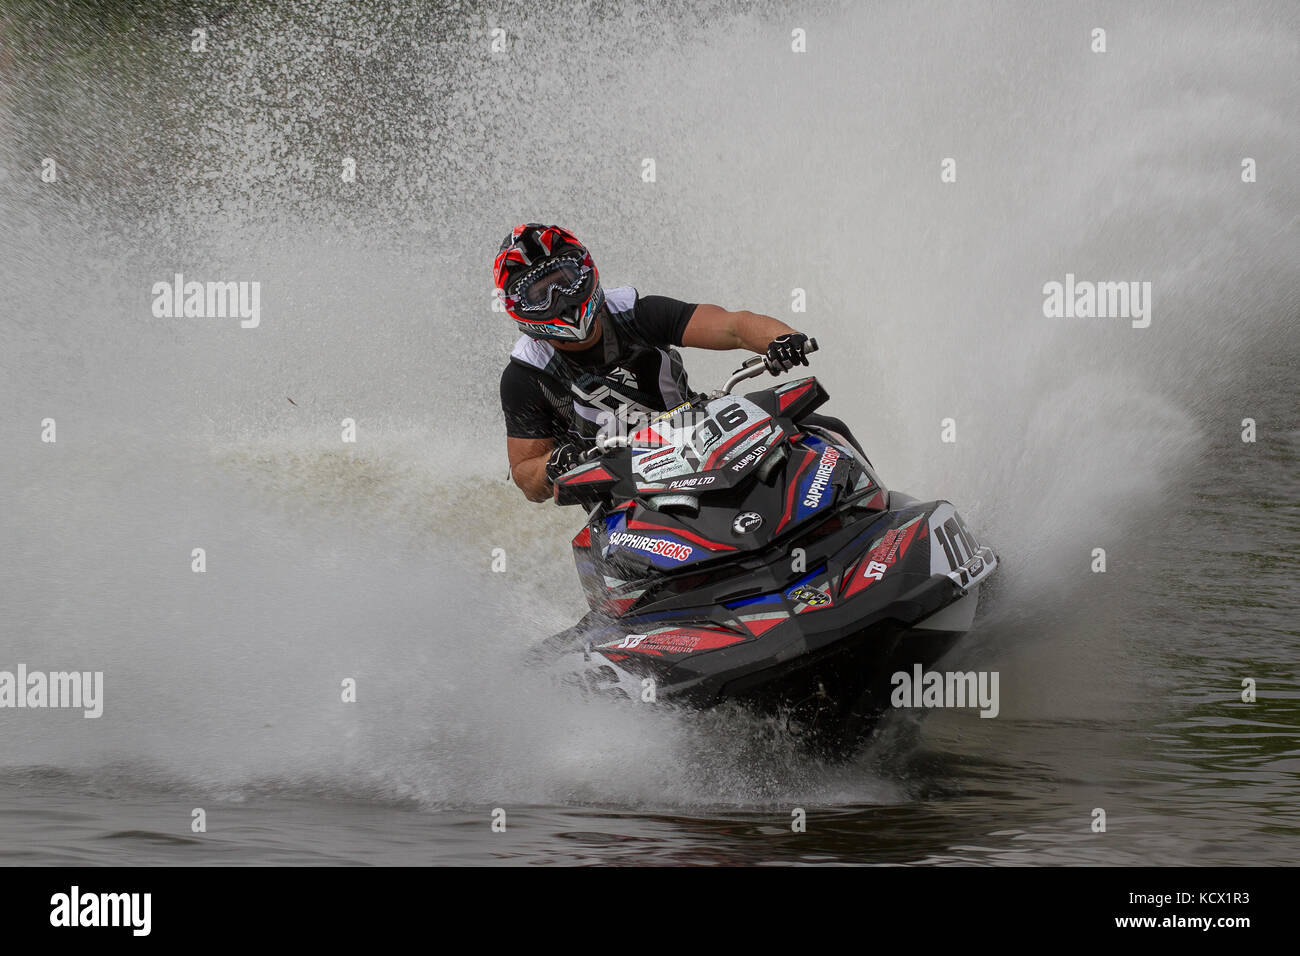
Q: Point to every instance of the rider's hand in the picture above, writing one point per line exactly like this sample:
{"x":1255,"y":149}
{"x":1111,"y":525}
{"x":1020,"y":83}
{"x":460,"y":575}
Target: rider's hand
{"x":786,"y":352}
{"x":564,"y":457}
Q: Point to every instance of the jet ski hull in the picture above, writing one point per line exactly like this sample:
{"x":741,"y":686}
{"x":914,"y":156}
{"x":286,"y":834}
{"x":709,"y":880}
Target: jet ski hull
{"x":737,"y":553}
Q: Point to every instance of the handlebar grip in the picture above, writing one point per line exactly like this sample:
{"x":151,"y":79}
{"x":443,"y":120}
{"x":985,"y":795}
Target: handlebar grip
{"x":812,"y":346}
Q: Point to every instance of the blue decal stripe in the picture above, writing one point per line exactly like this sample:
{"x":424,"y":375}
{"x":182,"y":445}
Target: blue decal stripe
{"x":759,"y":599}
{"x":805,"y":580}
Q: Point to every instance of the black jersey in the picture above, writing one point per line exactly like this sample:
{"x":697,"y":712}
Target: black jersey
{"x":634,"y":372}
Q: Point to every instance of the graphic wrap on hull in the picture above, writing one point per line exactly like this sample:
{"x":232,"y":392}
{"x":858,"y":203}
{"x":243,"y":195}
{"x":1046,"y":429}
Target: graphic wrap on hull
{"x":730,"y":554}
{"x":694,"y":446}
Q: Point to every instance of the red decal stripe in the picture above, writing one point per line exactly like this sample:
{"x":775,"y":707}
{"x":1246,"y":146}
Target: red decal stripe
{"x":647,"y":436}
{"x":809,"y":457}
{"x":762,"y":627}
{"x":792,"y":396}
{"x":618,"y":606}
{"x":596,"y":474}
{"x":730,"y":442}
{"x":638,"y":525}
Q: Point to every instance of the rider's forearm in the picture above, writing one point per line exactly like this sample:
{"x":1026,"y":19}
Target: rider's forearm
{"x":713,"y":327}
{"x":530,"y":476}
{"x":756,"y":331}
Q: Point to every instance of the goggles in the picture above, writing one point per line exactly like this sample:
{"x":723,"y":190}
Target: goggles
{"x":537,"y":290}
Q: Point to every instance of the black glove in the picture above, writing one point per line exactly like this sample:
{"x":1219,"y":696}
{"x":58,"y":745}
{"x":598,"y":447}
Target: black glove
{"x":564,"y":457}
{"x":786,"y":352}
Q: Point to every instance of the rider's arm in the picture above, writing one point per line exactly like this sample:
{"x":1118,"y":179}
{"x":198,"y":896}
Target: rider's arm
{"x":713,"y":327}
{"x":528,"y":457}
{"x":530,"y":423}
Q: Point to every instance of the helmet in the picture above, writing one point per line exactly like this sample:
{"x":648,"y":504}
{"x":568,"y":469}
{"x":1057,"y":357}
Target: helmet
{"x":548,"y":282}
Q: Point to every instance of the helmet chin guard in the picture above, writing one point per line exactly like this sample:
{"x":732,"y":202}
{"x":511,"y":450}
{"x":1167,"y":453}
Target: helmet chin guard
{"x":574,"y":326}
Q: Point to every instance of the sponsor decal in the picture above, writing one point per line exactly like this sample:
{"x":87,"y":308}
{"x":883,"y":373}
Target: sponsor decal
{"x":672,"y":643}
{"x":661,"y":469}
{"x":821,"y":477}
{"x":660,"y":546}
{"x":749,"y":459}
{"x":672,"y":640}
{"x":698,"y":481}
{"x":767,"y":435}
{"x":876,"y":562}
{"x":892,"y":551}
{"x":672,"y":411}
{"x":807,"y":594}
{"x":746,"y":522}
{"x":884,"y":554}
{"x":659,"y":464}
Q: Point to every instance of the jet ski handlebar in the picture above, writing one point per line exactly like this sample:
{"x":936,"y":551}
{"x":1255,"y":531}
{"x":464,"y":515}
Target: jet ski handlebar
{"x":755,"y":366}
{"x":751,"y":368}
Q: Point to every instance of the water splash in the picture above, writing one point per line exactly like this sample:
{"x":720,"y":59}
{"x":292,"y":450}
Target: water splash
{"x":775,"y":171}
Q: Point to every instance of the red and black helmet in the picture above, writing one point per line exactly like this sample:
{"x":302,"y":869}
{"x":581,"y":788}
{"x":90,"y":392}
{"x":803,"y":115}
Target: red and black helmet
{"x":548,"y":282}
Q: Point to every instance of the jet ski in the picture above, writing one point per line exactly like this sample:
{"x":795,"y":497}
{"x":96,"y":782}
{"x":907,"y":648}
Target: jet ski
{"x":737,"y":551}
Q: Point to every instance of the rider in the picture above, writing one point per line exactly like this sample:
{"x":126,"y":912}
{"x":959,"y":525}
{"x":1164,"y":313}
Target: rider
{"x":587,"y":354}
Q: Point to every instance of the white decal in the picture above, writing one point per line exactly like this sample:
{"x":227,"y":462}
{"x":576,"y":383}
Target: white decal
{"x":659,"y":546}
{"x":875,"y":570}
{"x":821,"y":478}
{"x":696,"y":482}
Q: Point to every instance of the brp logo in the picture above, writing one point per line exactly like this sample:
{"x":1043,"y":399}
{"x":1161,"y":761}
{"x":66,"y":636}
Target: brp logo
{"x":746,"y":521}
